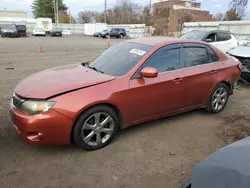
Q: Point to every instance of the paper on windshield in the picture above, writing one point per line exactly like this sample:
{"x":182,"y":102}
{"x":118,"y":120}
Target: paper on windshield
{"x":137,"y":52}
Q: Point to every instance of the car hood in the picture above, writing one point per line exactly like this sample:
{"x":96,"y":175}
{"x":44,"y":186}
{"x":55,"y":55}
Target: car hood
{"x":240,"y":51}
{"x":59,"y":80}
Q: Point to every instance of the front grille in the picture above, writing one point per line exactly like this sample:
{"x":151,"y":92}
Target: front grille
{"x":17,"y":101}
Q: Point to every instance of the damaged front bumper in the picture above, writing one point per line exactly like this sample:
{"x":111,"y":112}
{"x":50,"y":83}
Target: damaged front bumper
{"x":245,"y":72}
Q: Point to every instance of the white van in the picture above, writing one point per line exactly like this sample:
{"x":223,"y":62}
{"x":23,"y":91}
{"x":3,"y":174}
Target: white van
{"x":45,"y":23}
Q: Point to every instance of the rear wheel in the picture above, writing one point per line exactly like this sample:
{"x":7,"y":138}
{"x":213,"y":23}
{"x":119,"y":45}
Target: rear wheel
{"x":96,"y":127}
{"x":121,"y":36}
{"x":218,"y":99}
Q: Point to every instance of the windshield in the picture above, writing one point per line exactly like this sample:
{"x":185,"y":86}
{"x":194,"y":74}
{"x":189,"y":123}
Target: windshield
{"x":12,"y":27}
{"x":119,"y":59}
{"x":195,"y":35}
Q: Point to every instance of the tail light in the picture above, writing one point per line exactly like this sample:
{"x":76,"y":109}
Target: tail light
{"x":239,"y":66}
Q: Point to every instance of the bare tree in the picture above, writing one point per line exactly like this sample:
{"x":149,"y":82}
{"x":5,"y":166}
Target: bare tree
{"x":237,"y":10}
{"x":232,"y":15}
{"x":88,"y":16}
{"x":218,"y":17}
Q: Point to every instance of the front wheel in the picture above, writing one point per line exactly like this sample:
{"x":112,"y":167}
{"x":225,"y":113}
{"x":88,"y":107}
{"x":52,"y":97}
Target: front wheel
{"x":218,"y":99}
{"x":96,"y":127}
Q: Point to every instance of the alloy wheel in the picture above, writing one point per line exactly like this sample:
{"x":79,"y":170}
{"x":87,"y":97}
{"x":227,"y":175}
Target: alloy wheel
{"x":219,"y":98}
{"x":97,"y":129}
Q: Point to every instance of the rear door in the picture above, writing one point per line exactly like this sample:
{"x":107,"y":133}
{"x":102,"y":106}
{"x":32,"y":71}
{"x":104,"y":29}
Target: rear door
{"x":199,"y":75}
{"x":224,"y":41}
{"x":114,"y":32}
{"x":160,"y":95}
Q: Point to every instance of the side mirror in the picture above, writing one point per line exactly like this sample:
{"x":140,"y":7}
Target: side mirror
{"x":208,"y":40}
{"x":149,"y":72}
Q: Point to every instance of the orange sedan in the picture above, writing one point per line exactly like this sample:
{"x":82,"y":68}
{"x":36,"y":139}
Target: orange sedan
{"x":132,"y":82}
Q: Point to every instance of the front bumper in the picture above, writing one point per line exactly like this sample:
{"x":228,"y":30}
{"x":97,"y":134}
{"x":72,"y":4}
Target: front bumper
{"x":10,"y":34}
{"x":51,"y":128}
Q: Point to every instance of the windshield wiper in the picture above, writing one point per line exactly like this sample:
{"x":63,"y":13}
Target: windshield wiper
{"x":93,"y":68}
{"x":97,"y":70}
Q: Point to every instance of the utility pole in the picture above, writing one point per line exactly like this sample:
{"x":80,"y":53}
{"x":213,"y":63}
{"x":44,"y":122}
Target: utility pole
{"x":105,"y":11}
{"x":56,"y":12}
{"x":150,"y":5}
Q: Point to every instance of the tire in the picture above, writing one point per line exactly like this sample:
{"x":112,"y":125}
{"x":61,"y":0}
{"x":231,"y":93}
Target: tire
{"x":3,"y":36}
{"x":85,"y":131}
{"x":221,"y":94}
{"x":121,"y":36}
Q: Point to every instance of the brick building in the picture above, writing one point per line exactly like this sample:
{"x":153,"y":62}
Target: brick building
{"x":175,"y":12}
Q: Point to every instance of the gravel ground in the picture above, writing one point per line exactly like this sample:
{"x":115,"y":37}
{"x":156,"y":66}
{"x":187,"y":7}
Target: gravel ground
{"x":156,"y":154}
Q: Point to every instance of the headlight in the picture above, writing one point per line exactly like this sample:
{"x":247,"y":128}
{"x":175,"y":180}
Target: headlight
{"x":37,"y":107}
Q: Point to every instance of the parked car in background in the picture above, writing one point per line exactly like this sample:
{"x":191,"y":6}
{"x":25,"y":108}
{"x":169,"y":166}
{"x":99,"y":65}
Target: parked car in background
{"x":66,"y":32}
{"x":228,"y":167}
{"x":118,"y":33}
{"x":224,"y":40}
{"x":242,"y":53}
{"x":9,"y":30}
{"x":45,"y":23}
{"x":132,"y":82}
{"x":103,"y":34}
{"x":38,"y":32}
{"x":97,"y":34}
{"x":56,"y":32}
{"x":21,"y":30}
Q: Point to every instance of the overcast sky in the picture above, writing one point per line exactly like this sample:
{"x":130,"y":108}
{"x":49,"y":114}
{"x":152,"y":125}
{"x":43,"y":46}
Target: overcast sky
{"x":214,"y":6}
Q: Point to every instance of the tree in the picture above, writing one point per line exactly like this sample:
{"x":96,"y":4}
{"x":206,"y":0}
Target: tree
{"x":64,"y":17}
{"x":88,"y":16}
{"x":218,"y":17}
{"x":45,"y":8}
{"x":237,"y":10}
{"x":232,"y":15}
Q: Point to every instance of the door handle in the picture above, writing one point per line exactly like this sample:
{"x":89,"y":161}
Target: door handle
{"x":177,"y":80}
{"x":213,"y":71}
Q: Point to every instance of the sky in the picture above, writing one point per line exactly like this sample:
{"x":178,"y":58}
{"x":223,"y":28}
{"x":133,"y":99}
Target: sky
{"x":75,"y":6}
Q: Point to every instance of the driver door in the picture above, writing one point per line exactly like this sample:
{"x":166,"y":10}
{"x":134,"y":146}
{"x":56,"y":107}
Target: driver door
{"x":152,"y":97}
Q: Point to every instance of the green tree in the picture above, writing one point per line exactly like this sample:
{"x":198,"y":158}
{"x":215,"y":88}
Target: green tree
{"x":45,"y":8}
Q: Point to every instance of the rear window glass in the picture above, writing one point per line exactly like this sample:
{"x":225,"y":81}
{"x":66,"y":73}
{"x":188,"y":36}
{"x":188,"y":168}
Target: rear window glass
{"x":223,"y":36}
{"x":9,"y":27}
{"x":196,"y":56}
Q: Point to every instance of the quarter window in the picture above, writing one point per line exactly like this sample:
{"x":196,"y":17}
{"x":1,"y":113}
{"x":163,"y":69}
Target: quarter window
{"x":214,"y":57}
{"x":196,"y":56}
{"x":165,"y":60}
{"x":223,"y":36}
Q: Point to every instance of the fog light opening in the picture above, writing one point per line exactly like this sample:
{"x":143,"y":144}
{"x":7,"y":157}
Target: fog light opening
{"x":34,"y":136}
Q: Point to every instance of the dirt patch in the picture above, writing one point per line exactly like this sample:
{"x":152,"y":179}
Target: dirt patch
{"x":235,"y":127}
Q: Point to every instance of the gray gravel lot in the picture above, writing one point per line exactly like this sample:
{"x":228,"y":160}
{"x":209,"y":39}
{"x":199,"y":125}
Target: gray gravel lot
{"x":138,"y":157}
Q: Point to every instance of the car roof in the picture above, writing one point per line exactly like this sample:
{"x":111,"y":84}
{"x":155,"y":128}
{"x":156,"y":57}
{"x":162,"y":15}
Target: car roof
{"x":153,"y":41}
{"x":210,"y":31}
